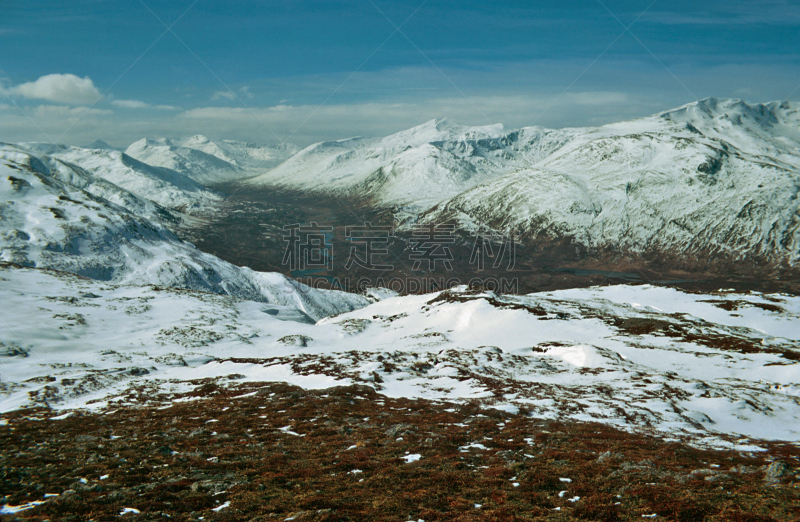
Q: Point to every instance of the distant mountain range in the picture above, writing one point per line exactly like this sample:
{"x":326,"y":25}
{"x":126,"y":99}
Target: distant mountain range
{"x":209,"y":162}
{"x":711,"y":178}
{"x":160,"y":185}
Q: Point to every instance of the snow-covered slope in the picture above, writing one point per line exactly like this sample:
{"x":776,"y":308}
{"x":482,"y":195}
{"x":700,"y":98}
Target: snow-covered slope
{"x":246,"y":155}
{"x":710,"y":178}
{"x":55,"y":215}
{"x":55,"y":170}
{"x":161,"y":185}
{"x":417,"y":167}
{"x":644,"y":358}
{"x":209,"y":162}
{"x":768,"y":129}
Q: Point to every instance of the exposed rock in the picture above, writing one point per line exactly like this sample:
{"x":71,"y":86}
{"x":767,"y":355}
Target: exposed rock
{"x":300,"y":341}
{"x":776,"y":472}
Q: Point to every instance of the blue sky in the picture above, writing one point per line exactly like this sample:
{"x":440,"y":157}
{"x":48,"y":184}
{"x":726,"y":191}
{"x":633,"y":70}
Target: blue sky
{"x":304,"y":71}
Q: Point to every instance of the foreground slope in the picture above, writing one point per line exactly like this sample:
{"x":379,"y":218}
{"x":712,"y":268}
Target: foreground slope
{"x":707,"y":367}
{"x":271,"y":451}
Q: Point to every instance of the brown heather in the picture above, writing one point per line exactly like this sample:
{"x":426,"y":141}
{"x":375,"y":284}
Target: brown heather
{"x":167,"y":459}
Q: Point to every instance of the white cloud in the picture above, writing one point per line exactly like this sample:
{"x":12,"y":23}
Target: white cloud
{"x":60,"y":88}
{"x":244,"y":92}
{"x":228,"y":95}
{"x":137,"y":104}
{"x":130,"y":104}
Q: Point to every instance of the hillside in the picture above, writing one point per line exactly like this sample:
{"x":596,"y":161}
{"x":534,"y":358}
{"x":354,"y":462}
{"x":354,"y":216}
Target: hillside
{"x":669,"y":185}
{"x":164,"y":186}
{"x":61,"y":217}
{"x":209,"y":162}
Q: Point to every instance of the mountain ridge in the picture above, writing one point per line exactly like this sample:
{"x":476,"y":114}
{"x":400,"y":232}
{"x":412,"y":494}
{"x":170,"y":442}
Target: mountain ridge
{"x":206,"y":161}
{"x":713,"y":177}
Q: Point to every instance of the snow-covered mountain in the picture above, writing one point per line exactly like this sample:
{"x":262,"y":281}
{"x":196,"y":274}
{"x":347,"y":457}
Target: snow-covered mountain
{"x":209,"y":162}
{"x":709,"y":178}
{"x":713,"y":178}
{"x":100,"y":297}
{"x":166,"y":187}
{"x":417,"y":167}
{"x":59,"y":216}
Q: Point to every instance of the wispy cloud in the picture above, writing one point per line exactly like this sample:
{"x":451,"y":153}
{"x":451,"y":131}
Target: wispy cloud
{"x":35,"y":123}
{"x":64,"y":111}
{"x":378,"y":103}
{"x":137,"y":104}
{"x":243,"y":93}
{"x":333,"y":121}
{"x":772,"y":12}
{"x":226,"y":95}
{"x":381,"y":118}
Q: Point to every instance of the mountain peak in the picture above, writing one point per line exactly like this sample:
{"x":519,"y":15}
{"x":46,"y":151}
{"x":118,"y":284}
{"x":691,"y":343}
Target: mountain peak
{"x":197,"y":139}
{"x":149,"y":142}
{"x":441,"y":124}
{"x":99,"y":144}
{"x":436,"y":124}
{"x":442,"y":129}
{"x":207,"y":161}
{"x":731,"y":109}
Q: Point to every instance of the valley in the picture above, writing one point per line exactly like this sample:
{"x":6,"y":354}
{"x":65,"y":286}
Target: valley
{"x":247,"y":229}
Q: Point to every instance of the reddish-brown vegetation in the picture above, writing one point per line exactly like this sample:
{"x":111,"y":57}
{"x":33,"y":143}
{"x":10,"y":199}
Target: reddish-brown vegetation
{"x":277,"y":452}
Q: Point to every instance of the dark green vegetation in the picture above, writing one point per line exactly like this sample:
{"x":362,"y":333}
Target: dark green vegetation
{"x":277,"y":452}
